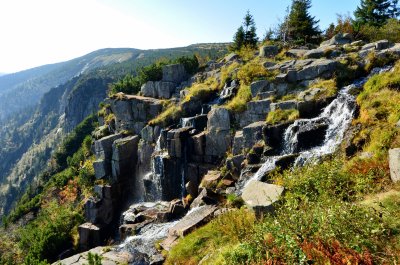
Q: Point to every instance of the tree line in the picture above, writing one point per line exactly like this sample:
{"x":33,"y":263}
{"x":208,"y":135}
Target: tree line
{"x":299,"y":27}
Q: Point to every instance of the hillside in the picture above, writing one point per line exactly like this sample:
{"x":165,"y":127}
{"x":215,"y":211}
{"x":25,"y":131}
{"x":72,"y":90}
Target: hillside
{"x":30,"y":134}
{"x":275,"y":155}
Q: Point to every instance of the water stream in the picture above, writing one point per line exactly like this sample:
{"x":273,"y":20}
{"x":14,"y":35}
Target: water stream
{"x":336,"y":117}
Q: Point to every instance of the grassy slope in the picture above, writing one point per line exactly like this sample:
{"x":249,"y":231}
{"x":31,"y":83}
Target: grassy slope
{"x":341,"y":211}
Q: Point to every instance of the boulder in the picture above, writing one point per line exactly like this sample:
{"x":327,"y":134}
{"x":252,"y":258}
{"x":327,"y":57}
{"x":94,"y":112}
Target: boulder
{"x":261,"y":196}
{"x":284,"y":105}
{"x":90,"y":236}
{"x":177,"y":141}
{"x":198,"y":144}
{"x":174,"y":73}
{"x":314,"y":53}
{"x":338,"y":39}
{"x":210,"y":179}
{"x":231,"y":57}
{"x":164,"y":90}
{"x":192,"y":220}
{"x":259,"y":86}
{"x":268,"y":51}
{"x":102,"y":168}
{"x":218,"y":119}
{"x":378,"y":45}
{"x":296,"y":53}
{"x":103,"y":147}
{"x":148,"y":89}
{"x":99,"y":211}
{"x":318,"y":68}
{"x":394,"y":164}
{"x":238,"y":143}
{"x":252,"y":134}
{"x":205,"y":197}
{"x":259,"y":107}
{"x":217,"y":143}
{"x":273,"y":135}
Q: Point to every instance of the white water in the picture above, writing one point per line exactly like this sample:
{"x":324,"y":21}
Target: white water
{"x":337,"y":115}
{"x":145,"y":241}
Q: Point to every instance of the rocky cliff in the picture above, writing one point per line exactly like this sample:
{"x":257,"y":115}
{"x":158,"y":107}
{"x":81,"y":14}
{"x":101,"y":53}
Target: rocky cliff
{"x":186,"y":142}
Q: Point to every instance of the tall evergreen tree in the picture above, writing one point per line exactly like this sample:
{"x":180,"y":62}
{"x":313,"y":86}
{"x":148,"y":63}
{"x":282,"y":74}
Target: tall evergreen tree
{"x":301,"y":26}
{"x":246,"y":34}
{"x":375,"y":12}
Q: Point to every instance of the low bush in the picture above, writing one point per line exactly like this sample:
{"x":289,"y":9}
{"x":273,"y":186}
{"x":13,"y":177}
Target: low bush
{"x":238,"y":103}
{"x":279,"y":115}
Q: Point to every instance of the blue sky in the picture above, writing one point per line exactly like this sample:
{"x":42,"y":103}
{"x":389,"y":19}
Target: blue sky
{"x":39,"y":32}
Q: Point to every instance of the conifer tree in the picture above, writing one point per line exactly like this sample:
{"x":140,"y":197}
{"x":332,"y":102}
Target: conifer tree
{"x":301,"y":26}
{"x":375,"y":12}
{"x":246,"y":34}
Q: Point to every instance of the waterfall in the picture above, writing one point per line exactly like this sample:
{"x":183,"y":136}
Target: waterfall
{"x":336,"y":117}
{"x":152,"y":180}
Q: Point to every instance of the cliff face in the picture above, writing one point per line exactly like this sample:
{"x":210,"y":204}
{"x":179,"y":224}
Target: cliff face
{"x":212,"y":141}
{"x":63,"y":95}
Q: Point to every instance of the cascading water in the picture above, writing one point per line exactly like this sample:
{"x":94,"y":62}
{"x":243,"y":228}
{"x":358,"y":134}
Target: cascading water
{"x":152,"y":180}
{"x":336,"y":117}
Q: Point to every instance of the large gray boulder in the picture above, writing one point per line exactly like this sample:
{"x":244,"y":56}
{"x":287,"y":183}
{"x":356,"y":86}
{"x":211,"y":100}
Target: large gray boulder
{"x":253,"y":133}
{"x":296,"y":53}
{"x":89,"y":236}
{"x":261,"y":196}
{"x":258,"y":87}
{"x":268,"y":51}
{"x":284,"y":105}
{"x":148,"y":89}
{"x":318,"y":68}
{"x":394,"y":164}
{"x":218,"y":119}
{"x":103,"y":147}
{"x":259,"y":107}
{"x":338,"y":39}
{"x":174,"y":73}
{"x":238,"y":143}
{"x":217,"y":143}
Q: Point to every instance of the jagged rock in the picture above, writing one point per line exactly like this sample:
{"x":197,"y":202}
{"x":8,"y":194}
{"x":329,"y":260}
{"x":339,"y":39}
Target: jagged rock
{"x":150,"y":134}
{"x":296,"y":53}
{"x":253,"y":133}
{"x":205,"y":197}
{"x":268,"y":51}
{"x":284,"y":105}
{"x":259,"y":107}
{"x":174,"y":73}
{"x":286,"y":161}
{"x":259,"y":86}
{"x":158,"y":89}
{"x":378,"y":45}
{"x":338,"y":39}
{"x":103,"y":147}
{"x":102,"y":168}
{"x":234,"y":164}
{"x":197,"y":217}
{"x":124,"y":157}
{"x":261,"y":196}
{"x":99,"y":211}
{"x":394,"y":164}
{"x":273,"y":134}
{"x":198,"y":122}
{"x":318,"y":68}
{"x":266,"y":95}
{"x":312,"y":108}
{"x":90,"y":236}
{"x":231,"y":57}
{"x":238,"y":143}
{"x":199,"y":142}
{"x":311,"y":136}
{"x":314,"y":53}
{"x":104,"y":191}
{"x":210,"y":179}
{"x":148,"y":89}
{"x":217,"y":143}
{"x":218,"y":119}
{"x":177,"y":140}
{"x":191,"y":107}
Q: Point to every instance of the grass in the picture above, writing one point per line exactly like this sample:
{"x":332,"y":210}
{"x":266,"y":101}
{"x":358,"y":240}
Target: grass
{"x":238,"y":103}
{"x":329,"y":87}
{"x":171,"y":114}
{"x":279,"y":116}
{"x":254,"y":70}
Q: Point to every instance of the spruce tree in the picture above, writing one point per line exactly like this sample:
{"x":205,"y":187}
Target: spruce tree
{"x":246,"y":34}
{"x":375,"y":12}
{"x":301,"y":26}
